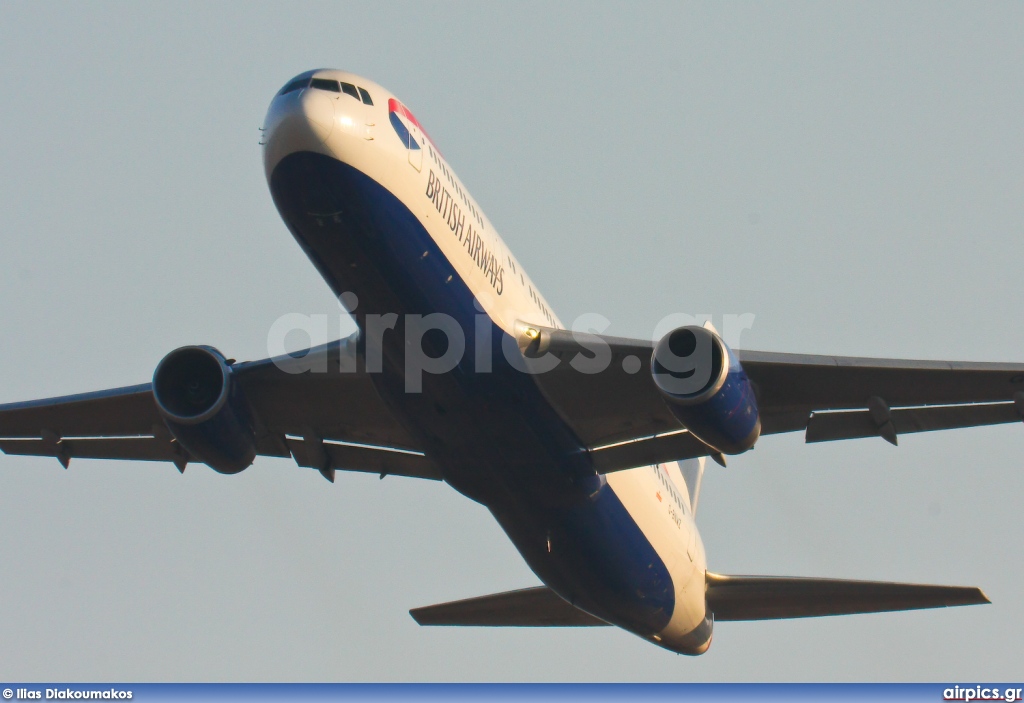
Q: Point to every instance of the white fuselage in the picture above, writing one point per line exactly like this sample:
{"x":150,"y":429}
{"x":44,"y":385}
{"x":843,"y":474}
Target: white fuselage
{"x":363,"y":136}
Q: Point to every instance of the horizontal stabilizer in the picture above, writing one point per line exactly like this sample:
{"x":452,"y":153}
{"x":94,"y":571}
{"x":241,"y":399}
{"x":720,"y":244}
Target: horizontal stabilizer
{"x":528,"y":607}
{"x":778,"y":597}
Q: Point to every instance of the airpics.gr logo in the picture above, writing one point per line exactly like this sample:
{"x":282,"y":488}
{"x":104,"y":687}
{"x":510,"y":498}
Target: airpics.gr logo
{"x":981,"y":693}
{"x":403,"y":121}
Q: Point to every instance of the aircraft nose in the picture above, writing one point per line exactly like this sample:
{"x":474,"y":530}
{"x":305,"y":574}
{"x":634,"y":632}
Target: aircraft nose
{"x":316,"y":109}
{"x":299,"y":120}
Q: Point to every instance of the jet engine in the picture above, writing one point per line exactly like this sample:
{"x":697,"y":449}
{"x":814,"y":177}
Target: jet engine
{"x":204,"y":409}
{"x":706,"y":388}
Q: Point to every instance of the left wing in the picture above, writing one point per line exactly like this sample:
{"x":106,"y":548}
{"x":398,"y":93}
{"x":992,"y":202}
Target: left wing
{"x":618,"y":413}
{"x":121,"y":423}
{"x":332,"y":419}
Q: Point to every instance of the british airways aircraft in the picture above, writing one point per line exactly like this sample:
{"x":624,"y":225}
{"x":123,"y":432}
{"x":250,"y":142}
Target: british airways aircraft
{"x":588,"y":450}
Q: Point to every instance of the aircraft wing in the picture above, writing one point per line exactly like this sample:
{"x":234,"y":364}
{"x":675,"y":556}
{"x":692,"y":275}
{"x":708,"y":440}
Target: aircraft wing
{"x":602,"y":387}
{"x":306,"y":415}
{"x":607,"y":397}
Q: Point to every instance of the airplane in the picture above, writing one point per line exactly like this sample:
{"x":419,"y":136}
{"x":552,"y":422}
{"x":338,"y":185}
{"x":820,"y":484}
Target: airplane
{"x":588,"y":450}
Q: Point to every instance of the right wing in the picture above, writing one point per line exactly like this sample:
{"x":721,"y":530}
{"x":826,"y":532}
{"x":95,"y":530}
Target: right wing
{"x":613,"y":406}
{"x":829,"y":396}
{"x":333,"y":418}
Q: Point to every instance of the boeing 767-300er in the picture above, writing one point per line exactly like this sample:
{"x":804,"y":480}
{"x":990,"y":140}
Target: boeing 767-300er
{"x":587,"y":449}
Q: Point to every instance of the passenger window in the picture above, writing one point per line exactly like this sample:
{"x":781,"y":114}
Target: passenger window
{"x":366,"y":96}
{"x":349,"y":89}
{"x":324,"y":84}
{"x":295,"y":85}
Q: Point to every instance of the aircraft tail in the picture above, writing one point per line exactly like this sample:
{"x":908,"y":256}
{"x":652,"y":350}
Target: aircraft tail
{"x":729,"y":598}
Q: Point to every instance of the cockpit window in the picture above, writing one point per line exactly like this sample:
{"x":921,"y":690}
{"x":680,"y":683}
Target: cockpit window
{"x":349,"y":89}
{"x":297,"y":84}
{"x":366,"y":96}
{"x":324,"y":84}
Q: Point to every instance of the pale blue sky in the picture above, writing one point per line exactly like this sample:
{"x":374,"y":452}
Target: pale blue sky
{"x":851,"y":174}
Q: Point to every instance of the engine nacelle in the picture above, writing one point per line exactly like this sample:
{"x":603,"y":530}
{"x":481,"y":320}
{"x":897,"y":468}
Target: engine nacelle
{"x":706,"y":389}
{"x":203,"y":409}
